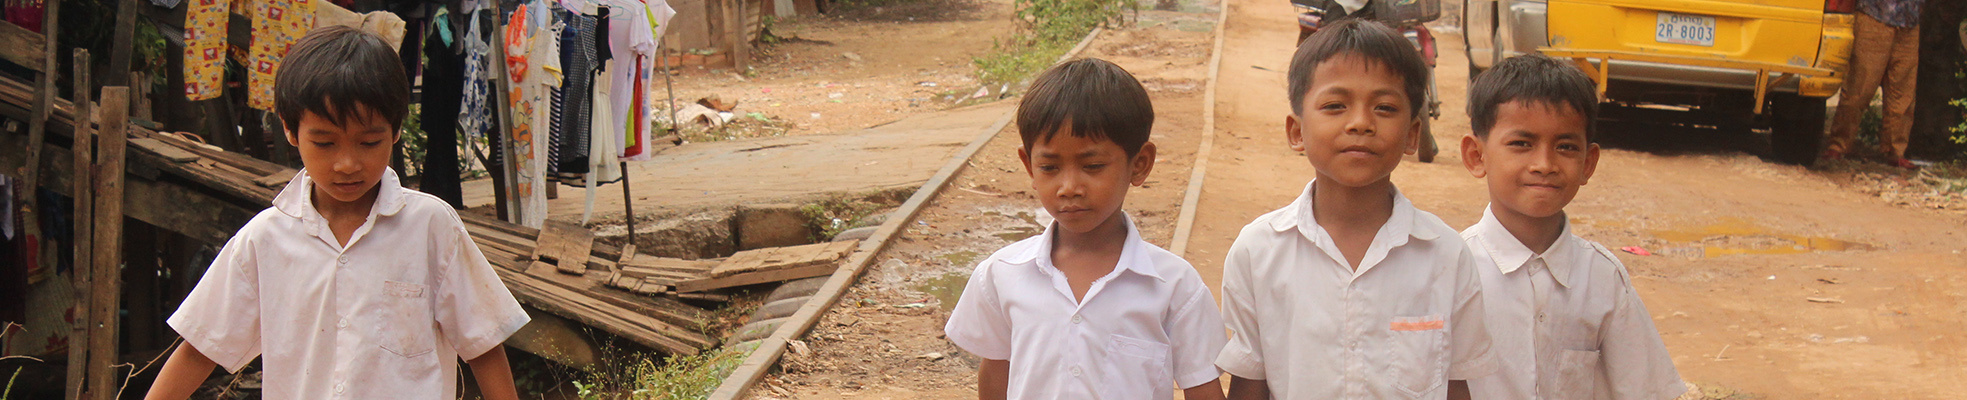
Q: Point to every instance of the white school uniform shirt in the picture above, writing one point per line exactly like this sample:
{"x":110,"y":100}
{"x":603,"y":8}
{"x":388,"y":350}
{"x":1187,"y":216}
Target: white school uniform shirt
{"x":1400,"y":326}
{"x":1143,"y":329}
{"x":386,"y":317}
{"x":1567,"y":323}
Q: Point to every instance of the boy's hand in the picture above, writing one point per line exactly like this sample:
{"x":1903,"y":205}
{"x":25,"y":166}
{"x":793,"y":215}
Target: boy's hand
{"x":1247,"y":389}
{"x":181,"y":375}
{"x":1207,"y":391}
{"x":993,"y":379}
{"x":494,"y":375}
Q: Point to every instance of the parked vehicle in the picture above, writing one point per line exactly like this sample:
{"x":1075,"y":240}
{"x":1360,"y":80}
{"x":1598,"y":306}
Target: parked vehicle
{"x":1407,"y":16}
{"x":1755,"y":64}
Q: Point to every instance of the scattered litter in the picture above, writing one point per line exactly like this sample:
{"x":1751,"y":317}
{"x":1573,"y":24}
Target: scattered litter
{"x":717,"y":103}
{"x":835,"y":95}
{"x":698,"y":113}
{"x":758,"y":116}
{"x":1724,"y":350}
{"x":1261,"y":68}
{"x":930,"y":356}
{"x":816,"y":115}
{"x":1828,"y":267}
{"x":1832,"y":281}
{"x":912,"y":305}
{"x":798,"y":347}
{"x":1816,"y":338}
{"x":926,"y":84}
{"x":1858,"y":339}
{"x":981,"y":92}
{"x":1772,"y":277}
{"x":851,"y":56}
{"x":1636,"y":250}
{"x":1827,"y":300}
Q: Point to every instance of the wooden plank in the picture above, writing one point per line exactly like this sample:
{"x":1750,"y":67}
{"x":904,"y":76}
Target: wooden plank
{"x":21,"y":46}
{"x":277,"y":179}
{"x":106,"y":276}
{"x":777,"y":258}
{"x":121,"y":44}
{"x":187,"y":210}
{"x":565,"y":246}
{"x":37,"y":127}
{"x":605,"y":316}
{"x":168,"y":152}
{"x":753,"y":278}
{"x":84,"y":150}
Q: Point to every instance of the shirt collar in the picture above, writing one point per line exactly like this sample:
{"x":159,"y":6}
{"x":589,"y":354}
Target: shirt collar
{"x":297,"y":198}
{"x":1510,"y":254}
{"x":1402,"y":225}
{"x":1132,"y":256}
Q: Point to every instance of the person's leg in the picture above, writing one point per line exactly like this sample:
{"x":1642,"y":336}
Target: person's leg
{"x":1901,"y":75}
{"x":1868,"y":56}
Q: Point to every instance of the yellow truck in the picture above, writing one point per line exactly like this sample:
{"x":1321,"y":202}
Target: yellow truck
{"x":1754,"y":64}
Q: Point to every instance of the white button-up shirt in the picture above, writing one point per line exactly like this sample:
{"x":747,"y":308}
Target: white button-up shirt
{"x":1142,"y":330}
{"x":1567,"y":323}
{"x":1401,"y":325}
{"x":385,"y":317}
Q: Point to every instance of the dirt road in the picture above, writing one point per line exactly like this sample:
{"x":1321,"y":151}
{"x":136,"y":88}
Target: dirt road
{"x":1746,"y":245}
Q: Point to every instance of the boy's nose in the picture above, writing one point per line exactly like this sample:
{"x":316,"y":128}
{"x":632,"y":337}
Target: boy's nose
{"x":1071,"y":185}
{"x":1361,"y":123}
{"x":347,"y":164}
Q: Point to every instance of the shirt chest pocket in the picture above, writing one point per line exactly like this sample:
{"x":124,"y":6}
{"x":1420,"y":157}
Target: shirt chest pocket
{"x":402,"y":318}
{"x":1135,"y":369}
{"x":1417,"y":363}
{"x":1577,"y":375}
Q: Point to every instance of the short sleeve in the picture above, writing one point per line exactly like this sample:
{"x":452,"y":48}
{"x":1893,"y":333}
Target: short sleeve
{"x":1469,"y":351}
{"x":474,"y":311}
{"x":1242,"y":355}
{"x":1197,"y":330}
{"x":221,"y":316}
{"x":1635,"y":359}
{"x":979,"y":323}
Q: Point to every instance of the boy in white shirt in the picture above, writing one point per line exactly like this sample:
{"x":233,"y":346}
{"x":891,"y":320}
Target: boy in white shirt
{"x":1088,"y":310}
{"x":1350,"y":292}
{"x":1566,"y":321}
{"x":350,"y":286}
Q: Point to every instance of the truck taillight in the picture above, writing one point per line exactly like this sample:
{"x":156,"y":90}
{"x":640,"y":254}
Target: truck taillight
{"x":1840,"y":6}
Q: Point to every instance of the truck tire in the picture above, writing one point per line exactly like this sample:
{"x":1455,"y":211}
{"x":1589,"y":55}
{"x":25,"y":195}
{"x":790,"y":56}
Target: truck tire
{"x":1796,"y":131}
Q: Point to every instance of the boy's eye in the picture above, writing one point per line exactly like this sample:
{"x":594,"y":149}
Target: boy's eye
{"x":1568,"y":147}
{"x":1048,"y":168}
{"x":324,"y":144}
{"x":1332,"y":106}
{"x":1387,"y":108}
{"x":372,"y":143}
{"x":1517,"y":143}
{"x":1095,"y":167}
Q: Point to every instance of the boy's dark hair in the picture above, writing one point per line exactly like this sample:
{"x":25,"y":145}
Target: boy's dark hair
{"x":1372,"y":42}
{"x":337,"y":71}
{"x":1100,"y":101}
{"x":1532,"y":78}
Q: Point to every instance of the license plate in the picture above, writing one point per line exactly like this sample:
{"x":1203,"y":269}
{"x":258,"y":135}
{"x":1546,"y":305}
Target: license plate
{"x":1685,"y":29}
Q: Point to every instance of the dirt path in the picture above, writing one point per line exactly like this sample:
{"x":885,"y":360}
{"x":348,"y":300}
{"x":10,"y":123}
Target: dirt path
{"x":884,"y":339}
{"x":1745,"y":244}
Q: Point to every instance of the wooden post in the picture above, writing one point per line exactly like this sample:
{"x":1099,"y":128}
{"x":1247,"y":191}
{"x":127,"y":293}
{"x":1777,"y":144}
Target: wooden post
{"x":106,"y":276}
{"x":628,"y":205}
{"x":83,"y":153}
{"x":740,"y":45}
{"x":506,"y":199}
{"x":121,"y":45}
{"x":37,"y":124}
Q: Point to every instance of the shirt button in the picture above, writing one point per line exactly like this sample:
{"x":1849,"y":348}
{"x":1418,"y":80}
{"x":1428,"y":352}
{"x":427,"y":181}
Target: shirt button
{"x":340,"y":388}
{"x":1075,"y":319}
{"x":343,"y":261}
{"x":342,"y":324}
{"x":1075,"y":371}
{"x":1540,"y":317}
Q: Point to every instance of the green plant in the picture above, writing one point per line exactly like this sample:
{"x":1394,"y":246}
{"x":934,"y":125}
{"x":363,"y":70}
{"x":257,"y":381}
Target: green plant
{"x":1959,"y":136}
{"x":677,"y":377}
{"x":1046,"y":29}
{"x":416,"y":146}
{"x":836,"y":214}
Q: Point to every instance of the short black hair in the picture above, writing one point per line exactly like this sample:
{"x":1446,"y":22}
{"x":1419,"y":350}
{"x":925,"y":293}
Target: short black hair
{"x":1100,"y":101}
{"x":1532,"y":78}
{"x":1373,"y":42}
{"x":337,"y":71}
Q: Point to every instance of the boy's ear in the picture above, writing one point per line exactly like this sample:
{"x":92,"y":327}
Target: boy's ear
{"x":293,"y":138}
{"x":1591,"y":163}
{"x":1472,"y":156}
{"x":1143,"y":162}
{"x":1414,"y":135}
{"x":1024,"y":156}
{"x":1292,"y":134}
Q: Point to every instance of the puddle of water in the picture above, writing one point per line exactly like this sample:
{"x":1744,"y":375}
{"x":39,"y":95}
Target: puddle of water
{"x":946,"y":288}
{"x":1734,"y":236}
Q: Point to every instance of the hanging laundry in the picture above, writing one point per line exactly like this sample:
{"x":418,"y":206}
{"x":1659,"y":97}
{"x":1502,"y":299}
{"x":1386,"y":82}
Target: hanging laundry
{"x":526,"y":96}
{"x":632,"y":40}
{"x":277,"y":24}
{"x":27,"y":13}
{"x":475,"y":115}
{"x":443,"y":96}
{"x":579,"y":61}
{"x":204,"y":48}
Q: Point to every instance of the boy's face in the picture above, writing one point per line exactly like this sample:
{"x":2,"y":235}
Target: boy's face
{"x":345,"y":161}
{"x":1536,"y":158}
{"x":1355,"y":122}
{"x":1081,"y":181}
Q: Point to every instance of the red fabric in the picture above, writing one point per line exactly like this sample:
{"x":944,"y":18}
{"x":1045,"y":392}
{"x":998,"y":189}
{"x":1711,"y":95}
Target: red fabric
{"x":27,"y":13}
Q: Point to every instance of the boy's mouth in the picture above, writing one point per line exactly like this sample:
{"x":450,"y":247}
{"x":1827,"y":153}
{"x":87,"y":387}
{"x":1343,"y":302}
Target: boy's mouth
{"x":1358,"y":150}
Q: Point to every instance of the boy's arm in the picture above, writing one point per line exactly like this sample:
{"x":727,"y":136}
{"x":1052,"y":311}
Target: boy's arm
{"x":1458,"y":390}
{"x":182,"y":374}
{"x":1207,"y":391}
{"x":494,"y":375}
{"x":1247,"y":389}
{"x":993,"y":379}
